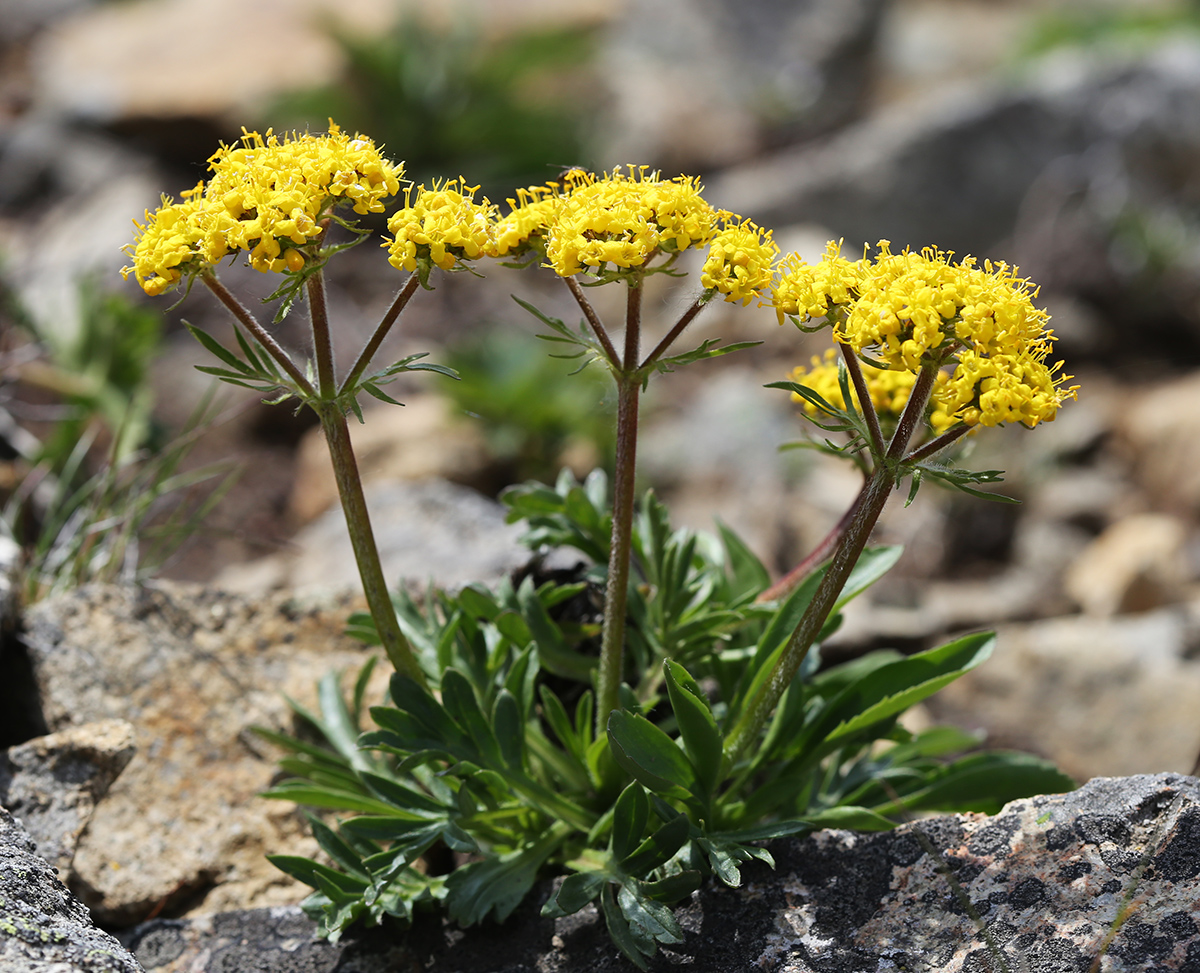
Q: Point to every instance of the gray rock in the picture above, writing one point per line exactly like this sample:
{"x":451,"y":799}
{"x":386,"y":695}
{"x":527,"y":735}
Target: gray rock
{"x":1095,"y":695}
{"x":1043,"y":883}
{"x":192,"y":670}
{"x":426,"y":530}
{"x":43,"y":927}
{"x":53,"y":783}
{"x":697,"y":84}
{"x":1068,"y":172}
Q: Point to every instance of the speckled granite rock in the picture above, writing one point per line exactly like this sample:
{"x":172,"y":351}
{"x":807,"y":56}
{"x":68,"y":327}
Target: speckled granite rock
{"x":52,"y":783}
{"x":191,"y":669}
{"x":43,"y":927}
{"x":1045,"y":881}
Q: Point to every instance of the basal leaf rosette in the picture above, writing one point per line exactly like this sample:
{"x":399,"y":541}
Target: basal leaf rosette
{"x":740,"y":262}
{"x":267,"y":195}
{"x":439,"y":227}
{"x":913,"y":310}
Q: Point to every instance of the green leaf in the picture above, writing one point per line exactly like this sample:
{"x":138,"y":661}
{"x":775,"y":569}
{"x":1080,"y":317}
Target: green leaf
{"x":850,"y":818}
{"x":674,"y":887}
{"x":415,"y":700}
{"x":575,"y":892}
{"x":336,"y":848}
{"x":630,"y":815}
{"x":648,"y":920}
{"x":378,"y":393}
{"x":510,"y":729}
{"x":336,"y":800}
{"x":310,"y":872}
{"x":493,"y":886}
{"x":554,"y":652}
{"x":648,"y":754}
{"x":214,"y":347}
{"x":985,"y":782}
{"x":748,"y":575}
{"x":620,"y":933}
{"x":725,"y":855}
{"x":659,"y":848}
{"x":701,"y":738}
{"x":893,"y":688}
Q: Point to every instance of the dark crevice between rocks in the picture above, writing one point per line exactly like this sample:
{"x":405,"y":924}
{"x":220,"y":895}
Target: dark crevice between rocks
{"x":21,"y":716}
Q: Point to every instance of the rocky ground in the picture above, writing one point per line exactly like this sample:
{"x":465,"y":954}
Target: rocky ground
{"x":911,"y":120}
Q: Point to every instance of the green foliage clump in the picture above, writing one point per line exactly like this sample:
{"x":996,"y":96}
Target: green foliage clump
{"x":499,"y":760}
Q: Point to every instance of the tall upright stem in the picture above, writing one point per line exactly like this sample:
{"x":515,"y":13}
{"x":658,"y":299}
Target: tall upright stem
{"x":766,"y":695}
{"x":362,"y":541}
{"x":617,"y":590}
{"x":349,"y":485}
{"x":322,"y":343}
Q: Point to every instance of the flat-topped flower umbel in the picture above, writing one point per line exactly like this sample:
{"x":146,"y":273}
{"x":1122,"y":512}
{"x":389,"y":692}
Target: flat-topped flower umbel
{"x":267,"y":195}
{"x":908,"y":310}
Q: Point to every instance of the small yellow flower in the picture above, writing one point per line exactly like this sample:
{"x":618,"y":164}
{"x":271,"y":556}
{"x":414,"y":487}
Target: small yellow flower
{"x":530,"y":214}
{"x":170,"y":241}
{"x":443,"y":225}
{"x":805,"y":291}
{"x":741,"y":260}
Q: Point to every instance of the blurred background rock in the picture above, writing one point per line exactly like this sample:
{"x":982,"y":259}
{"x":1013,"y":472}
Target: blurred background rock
{"x":1060,"y":135}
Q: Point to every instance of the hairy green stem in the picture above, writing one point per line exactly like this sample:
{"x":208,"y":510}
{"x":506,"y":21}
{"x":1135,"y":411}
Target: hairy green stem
{"x":593,"y":319}
{"x":349,"y":485}
{"x":389,"y":319}
{"x":685,"y":319}
{"x":261,"y":335}
{"x":322,"y":343}
{"x":766,"y":696}
{"x":612,"y":644}
{"x":935,"y":446}
{"x":864,"y":398}
{"x":362,"y":540}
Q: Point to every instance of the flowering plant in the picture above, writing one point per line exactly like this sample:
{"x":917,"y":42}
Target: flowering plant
{"x":703,"y":723}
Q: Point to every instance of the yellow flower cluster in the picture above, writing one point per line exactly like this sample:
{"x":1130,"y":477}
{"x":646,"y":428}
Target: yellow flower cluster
{"x":740,"y":262}
{"x":442,"y":225}
{"x":912,"y":309}
{"x":624,"y":218}
{"x":619,"y":220}
{"x":265,"y":194}
{"x":889,"y":388}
